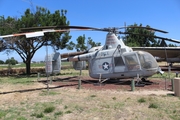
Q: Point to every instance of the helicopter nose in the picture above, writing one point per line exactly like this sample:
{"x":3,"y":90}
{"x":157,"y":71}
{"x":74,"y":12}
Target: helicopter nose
{"x":160,"y":71}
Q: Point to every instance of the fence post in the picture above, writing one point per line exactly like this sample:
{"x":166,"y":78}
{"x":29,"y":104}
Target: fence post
{"x":132,"y":85}
{"x":79,"y":83}
{"x":38,"y":76}
{"x":172,"y":84}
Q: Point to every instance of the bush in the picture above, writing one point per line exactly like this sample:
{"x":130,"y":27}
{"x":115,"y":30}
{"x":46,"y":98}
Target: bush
{"x":153,"y":105}
{"x":141,"y":100}
{"x":49,"y":109}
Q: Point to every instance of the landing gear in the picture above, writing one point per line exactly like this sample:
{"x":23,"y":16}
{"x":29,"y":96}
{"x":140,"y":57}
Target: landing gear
{"x":144,"y":82}
{"x":100,"y":83}
{"x":141,"y":82}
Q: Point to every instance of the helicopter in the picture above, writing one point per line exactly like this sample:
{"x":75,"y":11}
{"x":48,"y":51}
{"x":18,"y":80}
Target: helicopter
{"x":114,"y":60}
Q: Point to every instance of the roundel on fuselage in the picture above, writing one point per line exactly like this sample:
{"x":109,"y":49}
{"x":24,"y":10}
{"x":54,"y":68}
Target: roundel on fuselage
{"x":105,"y":66}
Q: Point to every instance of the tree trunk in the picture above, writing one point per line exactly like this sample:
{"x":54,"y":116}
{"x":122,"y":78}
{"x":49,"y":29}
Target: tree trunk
{"x":28,"y":67}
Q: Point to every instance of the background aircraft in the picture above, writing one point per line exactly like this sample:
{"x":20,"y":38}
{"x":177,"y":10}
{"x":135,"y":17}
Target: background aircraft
{"x":168,"y":54}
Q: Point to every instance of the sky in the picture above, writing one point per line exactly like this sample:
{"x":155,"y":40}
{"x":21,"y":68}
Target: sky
{"x":159,"y":14}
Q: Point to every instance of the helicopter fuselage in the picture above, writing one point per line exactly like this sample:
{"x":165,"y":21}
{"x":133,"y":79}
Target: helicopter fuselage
{"x":119,"y":64}
{"x":116,"y":60}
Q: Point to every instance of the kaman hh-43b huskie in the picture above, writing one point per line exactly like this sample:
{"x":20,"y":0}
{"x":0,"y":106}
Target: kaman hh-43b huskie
{"x":114,"y":60}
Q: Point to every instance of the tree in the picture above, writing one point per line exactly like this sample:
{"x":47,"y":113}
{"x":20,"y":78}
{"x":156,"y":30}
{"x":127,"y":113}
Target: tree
{"x":91,"y":43}
{"x":143,"y":37}
{"x":140,"y":37}
{"x":26,"y":48}
{"x":81,"y":44}
{"x":11,"y":61}
{"x":1,"y":62}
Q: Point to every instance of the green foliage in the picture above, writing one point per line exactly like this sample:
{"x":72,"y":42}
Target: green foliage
{"x":2,"y":113}
{"x":11,"y":61}
{"x":153,"y":105}
{"x":93,"y":96}
{"x":17,"y":80}
{"x":118,"y":105}
{"x":114,"y":98}
{"x":40,"y":115}
{"x":141,"y":100}
{"x":71,"y":46}
{"x":140,"y":37}
{"x":58,"y":113}
{"x":21,"y":118}
{"x":27,"y":48}
{"x":91,"y":43}
{"x":1,"y":62}
{"x":81,"y":44}
{"x":49,"y":109}
{"x":45,"y":92}
{"x":68,"y":112}
{"x":65,"y":107}
{"x":172,"y":45}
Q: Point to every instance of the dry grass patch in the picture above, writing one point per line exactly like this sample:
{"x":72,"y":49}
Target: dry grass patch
{"x":73,"y":104}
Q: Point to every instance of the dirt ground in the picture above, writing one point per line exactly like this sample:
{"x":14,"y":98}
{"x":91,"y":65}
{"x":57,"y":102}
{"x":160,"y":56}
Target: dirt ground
{"x":124,"y":84}
{"x":17,"y":92}
{"x":89,"y":83}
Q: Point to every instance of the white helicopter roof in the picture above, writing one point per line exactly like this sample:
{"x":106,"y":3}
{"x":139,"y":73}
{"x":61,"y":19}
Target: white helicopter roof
{"x":112,"y":41}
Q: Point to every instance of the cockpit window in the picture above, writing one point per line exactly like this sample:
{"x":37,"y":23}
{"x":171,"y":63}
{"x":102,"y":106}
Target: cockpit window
{"x":118,"y":61}
{"x":147,"y":61}
{"x":132,"y":62}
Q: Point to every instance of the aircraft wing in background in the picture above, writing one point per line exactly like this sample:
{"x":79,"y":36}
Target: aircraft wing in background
{"x":169,"y":54}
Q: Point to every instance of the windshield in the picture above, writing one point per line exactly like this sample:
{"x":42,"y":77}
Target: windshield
{"x":147,"y":61}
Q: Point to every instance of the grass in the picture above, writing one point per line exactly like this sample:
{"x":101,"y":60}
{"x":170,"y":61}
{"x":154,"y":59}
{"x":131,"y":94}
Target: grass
{"x":45,"y":92}
{"x":17,"y":80}
{"x":2,"y":113}
{"x":23,"y":65}
{"x":49,"y":109}
{"x":153,"y":105}
{"x":77,"y":104}
{"x":70,"y":103}
{"x":141,"y":100}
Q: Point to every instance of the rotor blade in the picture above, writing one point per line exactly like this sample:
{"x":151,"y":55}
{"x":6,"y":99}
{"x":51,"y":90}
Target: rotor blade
{"x":28,"y":35}
{"x":59,"y":27}
{"x":112,"y":29}
{"x":12,"y":35}
{"x":168,"y":39}
{"x":171,"y":40}
{"x":148,"y":28}
{"x":33,"y":34}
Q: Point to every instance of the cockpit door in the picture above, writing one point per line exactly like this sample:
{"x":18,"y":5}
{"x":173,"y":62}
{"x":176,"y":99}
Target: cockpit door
{"x":132,"y":61}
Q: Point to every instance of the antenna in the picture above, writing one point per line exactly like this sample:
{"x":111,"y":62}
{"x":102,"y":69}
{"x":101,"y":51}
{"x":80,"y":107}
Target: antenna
{"x":125,"y":30}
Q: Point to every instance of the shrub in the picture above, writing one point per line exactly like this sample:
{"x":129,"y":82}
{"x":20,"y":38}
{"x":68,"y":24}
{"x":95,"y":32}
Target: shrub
{"x":153,"y":105}
{"x":58,"y":113}
{"x":141,"y":100}
{"x":39,"y":115}
{"x":49,"y":109}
